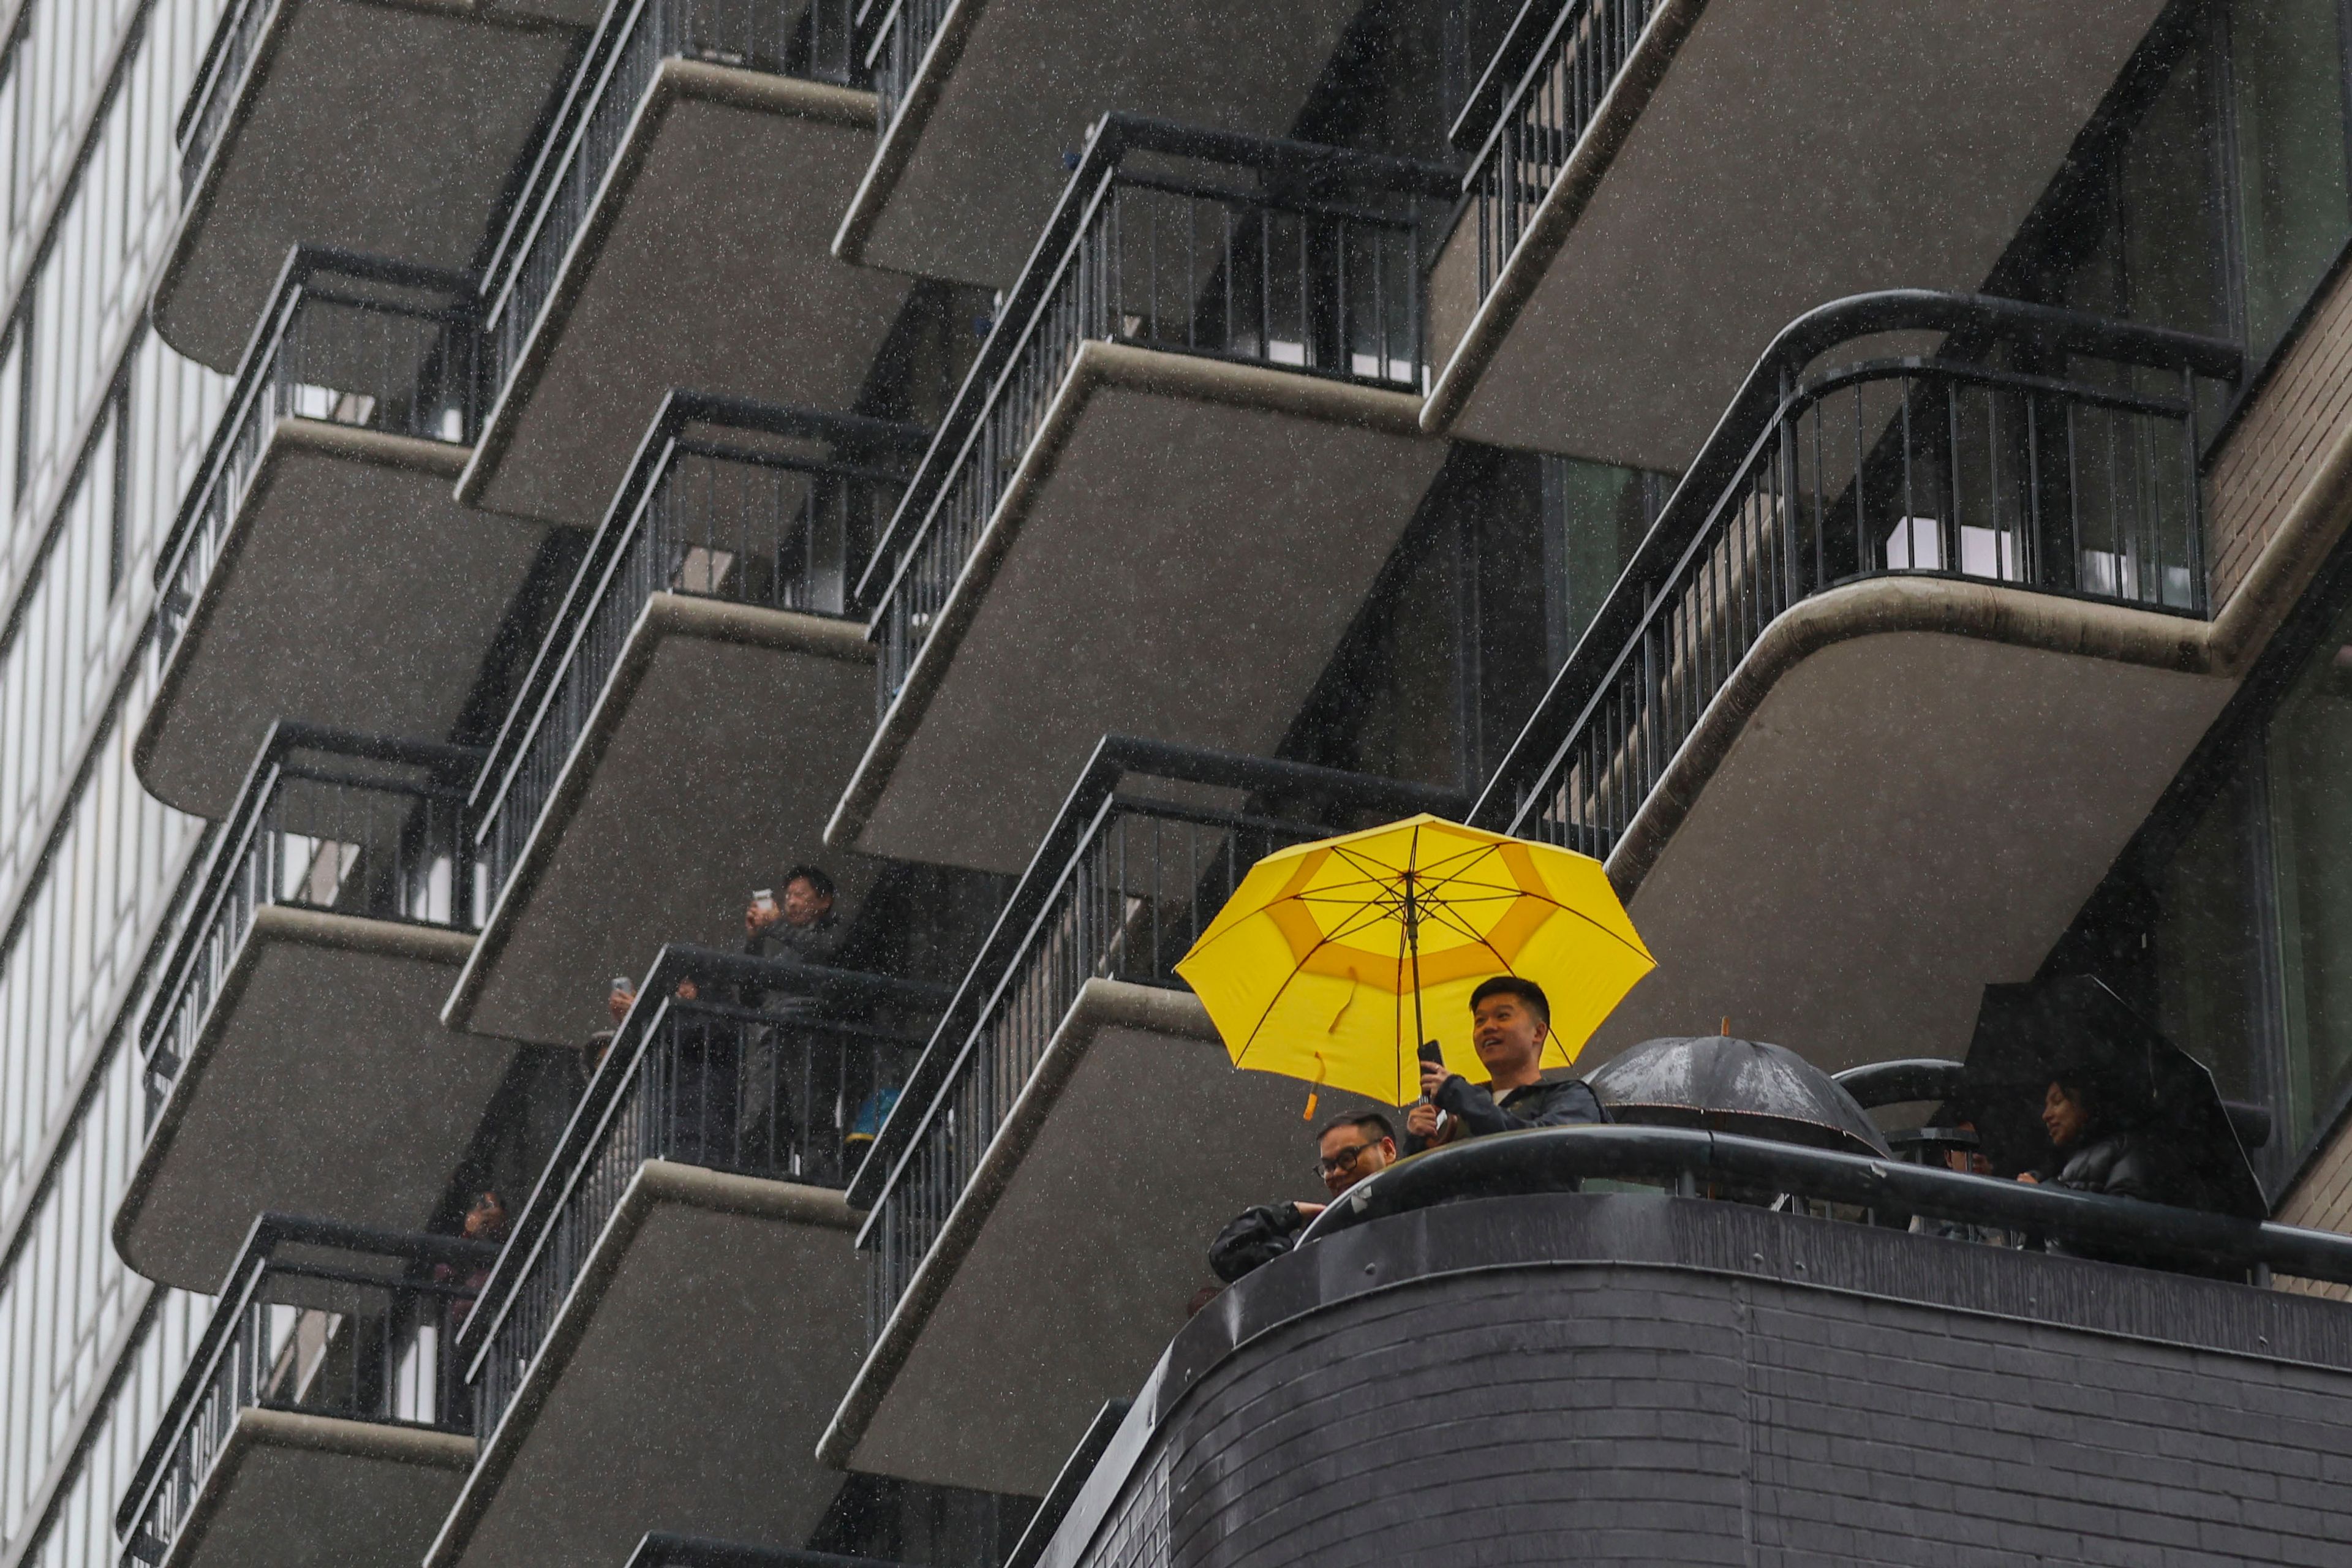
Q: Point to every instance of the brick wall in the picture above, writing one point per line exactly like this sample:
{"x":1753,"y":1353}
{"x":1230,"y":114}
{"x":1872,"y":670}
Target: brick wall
{"x":1640,"y":1381}
{"x":2276,"y":447}
{"x":2322,"y":1201}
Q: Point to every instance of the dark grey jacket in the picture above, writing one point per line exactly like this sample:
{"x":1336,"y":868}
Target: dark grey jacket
{"x":1547,"y":1102}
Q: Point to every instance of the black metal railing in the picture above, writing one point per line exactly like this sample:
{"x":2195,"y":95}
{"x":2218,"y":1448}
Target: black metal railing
{"x":218,"y":79}
{"x":2038,"y":449}
{"x":816,"y":41}
{"x":318,"y":1318}
{"x":1236,"y":248}
{"x":759,"y":1067}
{"x":727,"y":499}
{"x":346,"y":823}
{"x":659,"y":1550}
{"x":349,"y":340}
{"x":900,"y":39}
{"x":1691,"y":1162}
{"x":1123,"y":884}
{"x":1532,"y":108}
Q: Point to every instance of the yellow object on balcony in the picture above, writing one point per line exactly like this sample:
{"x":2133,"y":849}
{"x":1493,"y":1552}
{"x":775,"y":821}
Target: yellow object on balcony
{"x":1333,"y":960}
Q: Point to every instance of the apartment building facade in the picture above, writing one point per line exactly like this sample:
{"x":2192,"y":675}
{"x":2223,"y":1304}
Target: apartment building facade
{"x":491,"y":485}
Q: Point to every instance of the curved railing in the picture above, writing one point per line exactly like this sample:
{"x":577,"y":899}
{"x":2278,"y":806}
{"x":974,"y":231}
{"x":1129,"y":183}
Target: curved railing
{"x":2038,"y":449}
{"x":1123,"y":884}
{"x":759,"y":1067}
{"x":775,"y":508}
{"x":1691,"y":1161}
{"x":326,"y":1318}
{"x":349,"y":340}
{"x":816,"y":41}
{"x":1302,"y":258}
{"x":219,"y":80}
{"x":347,"y":824}
{"x":1538,"y":97}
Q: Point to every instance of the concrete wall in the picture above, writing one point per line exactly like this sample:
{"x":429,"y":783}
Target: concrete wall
{"x":1630,"y":1379}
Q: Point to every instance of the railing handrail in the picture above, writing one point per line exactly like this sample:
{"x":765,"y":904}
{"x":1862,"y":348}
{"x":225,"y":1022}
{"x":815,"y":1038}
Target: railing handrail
{"x":585,"y":1130}
{"x":1511,"y":72}
{"x":535,"y":195}
{"x":202,"y":91}
{"x":1557,"y":717}
{"x":1017,"y":320}
{"x":1548,"y":1159}
{"x":659,"y":1548}
{"x":1114,"y":758}
{"x":245,"y":1276}
{"x":244,"y":821}
{"x":609,"y":546}
{"x":302,"y":263}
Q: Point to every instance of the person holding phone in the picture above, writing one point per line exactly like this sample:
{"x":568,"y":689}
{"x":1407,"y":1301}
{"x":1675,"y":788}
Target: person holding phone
{"x":1510,"y":1019}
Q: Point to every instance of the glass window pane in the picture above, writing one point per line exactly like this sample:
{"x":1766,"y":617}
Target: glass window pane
{"x":2287,"y":72}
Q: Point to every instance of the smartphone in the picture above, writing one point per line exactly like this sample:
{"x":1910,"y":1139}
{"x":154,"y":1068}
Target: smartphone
{"x":1432,"y":1053}
{"x":763,"y":899}
{"x":623,"y":982}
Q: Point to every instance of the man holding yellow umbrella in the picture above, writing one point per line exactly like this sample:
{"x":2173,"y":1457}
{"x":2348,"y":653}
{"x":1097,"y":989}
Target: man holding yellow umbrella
{"x":1334,"y":961}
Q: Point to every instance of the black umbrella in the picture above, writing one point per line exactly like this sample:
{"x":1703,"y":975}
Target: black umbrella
{"x":1735,"y":1085}
{"x":2074,"y":1027}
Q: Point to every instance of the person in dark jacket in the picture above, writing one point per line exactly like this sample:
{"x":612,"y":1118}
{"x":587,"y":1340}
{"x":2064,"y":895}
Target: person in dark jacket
{"x":1510,"y":1020}
{"x":2093,"y":1152}
{"x":1347,"y":1149}
{"x":804,"y":928}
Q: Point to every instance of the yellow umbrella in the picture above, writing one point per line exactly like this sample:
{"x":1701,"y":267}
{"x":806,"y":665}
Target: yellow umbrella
{"x":1333,"y":960}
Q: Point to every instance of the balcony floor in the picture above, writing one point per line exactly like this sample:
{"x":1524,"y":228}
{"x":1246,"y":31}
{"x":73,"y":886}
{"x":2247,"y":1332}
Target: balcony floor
{"x":704,"y":265}
{"x":1118,"y":1228}
{"x":1204,"y":618}
{"x":972,"y":166}
{"x":682,"y":1385}
{"x":1907,"y":792}
{"x":322,"y":1084}
{"x":351,"y":592}
{"x":309,"y":157}
{"x":718,"y":742}
{"x":1792,"y":152}
{"x":294,"y":1490}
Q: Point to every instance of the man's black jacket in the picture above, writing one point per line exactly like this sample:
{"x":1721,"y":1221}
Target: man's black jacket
{"x":1547,"y":1102}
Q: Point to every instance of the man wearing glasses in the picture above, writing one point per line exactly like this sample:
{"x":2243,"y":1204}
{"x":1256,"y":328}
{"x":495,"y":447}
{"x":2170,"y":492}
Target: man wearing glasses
{"x":1347,"y":1149}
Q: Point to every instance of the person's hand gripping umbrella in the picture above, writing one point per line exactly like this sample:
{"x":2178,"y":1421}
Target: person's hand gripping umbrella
{"x":1333,"y":960}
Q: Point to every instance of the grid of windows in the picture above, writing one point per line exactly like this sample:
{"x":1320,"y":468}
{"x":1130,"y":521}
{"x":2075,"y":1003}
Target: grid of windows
{"x":102,"y":428}
{"x":69,"y":1302}
{"x":55,"y":68}
{"x":77,"y":945}
{"x":82,"y":1529}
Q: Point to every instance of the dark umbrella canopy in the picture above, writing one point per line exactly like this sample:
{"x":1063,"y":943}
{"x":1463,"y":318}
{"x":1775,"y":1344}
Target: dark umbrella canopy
{"x":2073,"y":1028}
{"x":1729,"y":1085}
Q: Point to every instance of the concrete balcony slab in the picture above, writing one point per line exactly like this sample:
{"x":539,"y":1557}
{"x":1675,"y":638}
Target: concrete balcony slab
{"x":1128,"y":584}
{"x":683,"y":1382}
{"x":704,"y":263}
{"x":706,"y":767}
{"x":971,"y":159}
{"x":1120,"y":1226}
{"x":1753,"y":158}
{"x":291,"y":1490}
{"x":322,"y":1082}
{"x":297,"y":149}
{"x":349,"y":591}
